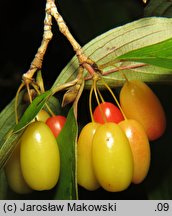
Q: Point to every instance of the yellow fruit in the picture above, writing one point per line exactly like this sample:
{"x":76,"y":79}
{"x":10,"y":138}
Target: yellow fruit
{"x":112,"y":158}
{"x":14,"y":174}
{"x":140,"y":148}
{"x":39,"y":156}
{"x":140,"y":103}
{"x":85,"y":173}
{"x":42,"y":116}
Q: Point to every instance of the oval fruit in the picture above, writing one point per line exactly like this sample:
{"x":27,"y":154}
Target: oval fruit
{"x":140,"y":103}
{"x":112,"y":158}
{"x":85,"y":173}
{"x":39,"y":156}
{"x":107,"y":112}
{"x":42,"y":116}
{"x":140,"y":148}
{"x":56,"y":123}
{"x":14,"y":174}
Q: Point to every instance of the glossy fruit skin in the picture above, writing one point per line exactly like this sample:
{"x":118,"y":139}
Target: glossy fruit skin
{"x":13,"y":168}
{"x":39,"y":157}
{"x":85,"y":173}
{"x":42,"y":116}
{"x":111,"y":113}
{"x":112,"y":158}
{"x":14,"y":174}
{"x":56,"y":123}
{"x":140,"y":147}
{"x":140,"y":103}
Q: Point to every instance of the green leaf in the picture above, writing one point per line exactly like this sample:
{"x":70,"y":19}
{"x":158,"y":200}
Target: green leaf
{"x":3,"y":186}
{"x":54,"y":105}
{"x":105,"y":49}
{"x":7,"y":116}
{"x":159,"y":54}
{"x":158,"y":8}
{"x":8,"y":144}
{"x":33,"y":109}
{"x":67,"y":187}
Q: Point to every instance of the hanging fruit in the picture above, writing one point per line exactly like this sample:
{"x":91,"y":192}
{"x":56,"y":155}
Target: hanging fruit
{"x":107,"y":112}
{"x":140,"y":103}
{"x":140,"y":147}
{"x":85,"y":171}
{"x":39,"y":156}
{"x":14,"y":173}
{"x":112,"y":158}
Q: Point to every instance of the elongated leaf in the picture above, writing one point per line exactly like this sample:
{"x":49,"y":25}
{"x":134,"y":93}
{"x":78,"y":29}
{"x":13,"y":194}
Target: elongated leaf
{"x":7,"y":116}
{"x":67,"y":188}
{"x":33,"y":109}
{"x":3,"y":186}
{"x":159,"y":8}
{"x":54,"y":105}
{"x":159,"y":54}
{"x":107,"y":47}
{"x":9,"y":143}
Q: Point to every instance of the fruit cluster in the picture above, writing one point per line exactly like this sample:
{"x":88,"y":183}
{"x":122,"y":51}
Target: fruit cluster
{"x":35,"y":162}
{"x":113,"y":150}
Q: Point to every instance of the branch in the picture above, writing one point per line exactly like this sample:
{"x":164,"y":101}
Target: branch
{"x":82,"y":58}
{"x":47,"y":36}
{"x":51,"y":10}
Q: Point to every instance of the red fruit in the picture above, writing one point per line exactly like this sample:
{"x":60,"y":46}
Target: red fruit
{"x":107,"y":112}
{"x":56,"y":124}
